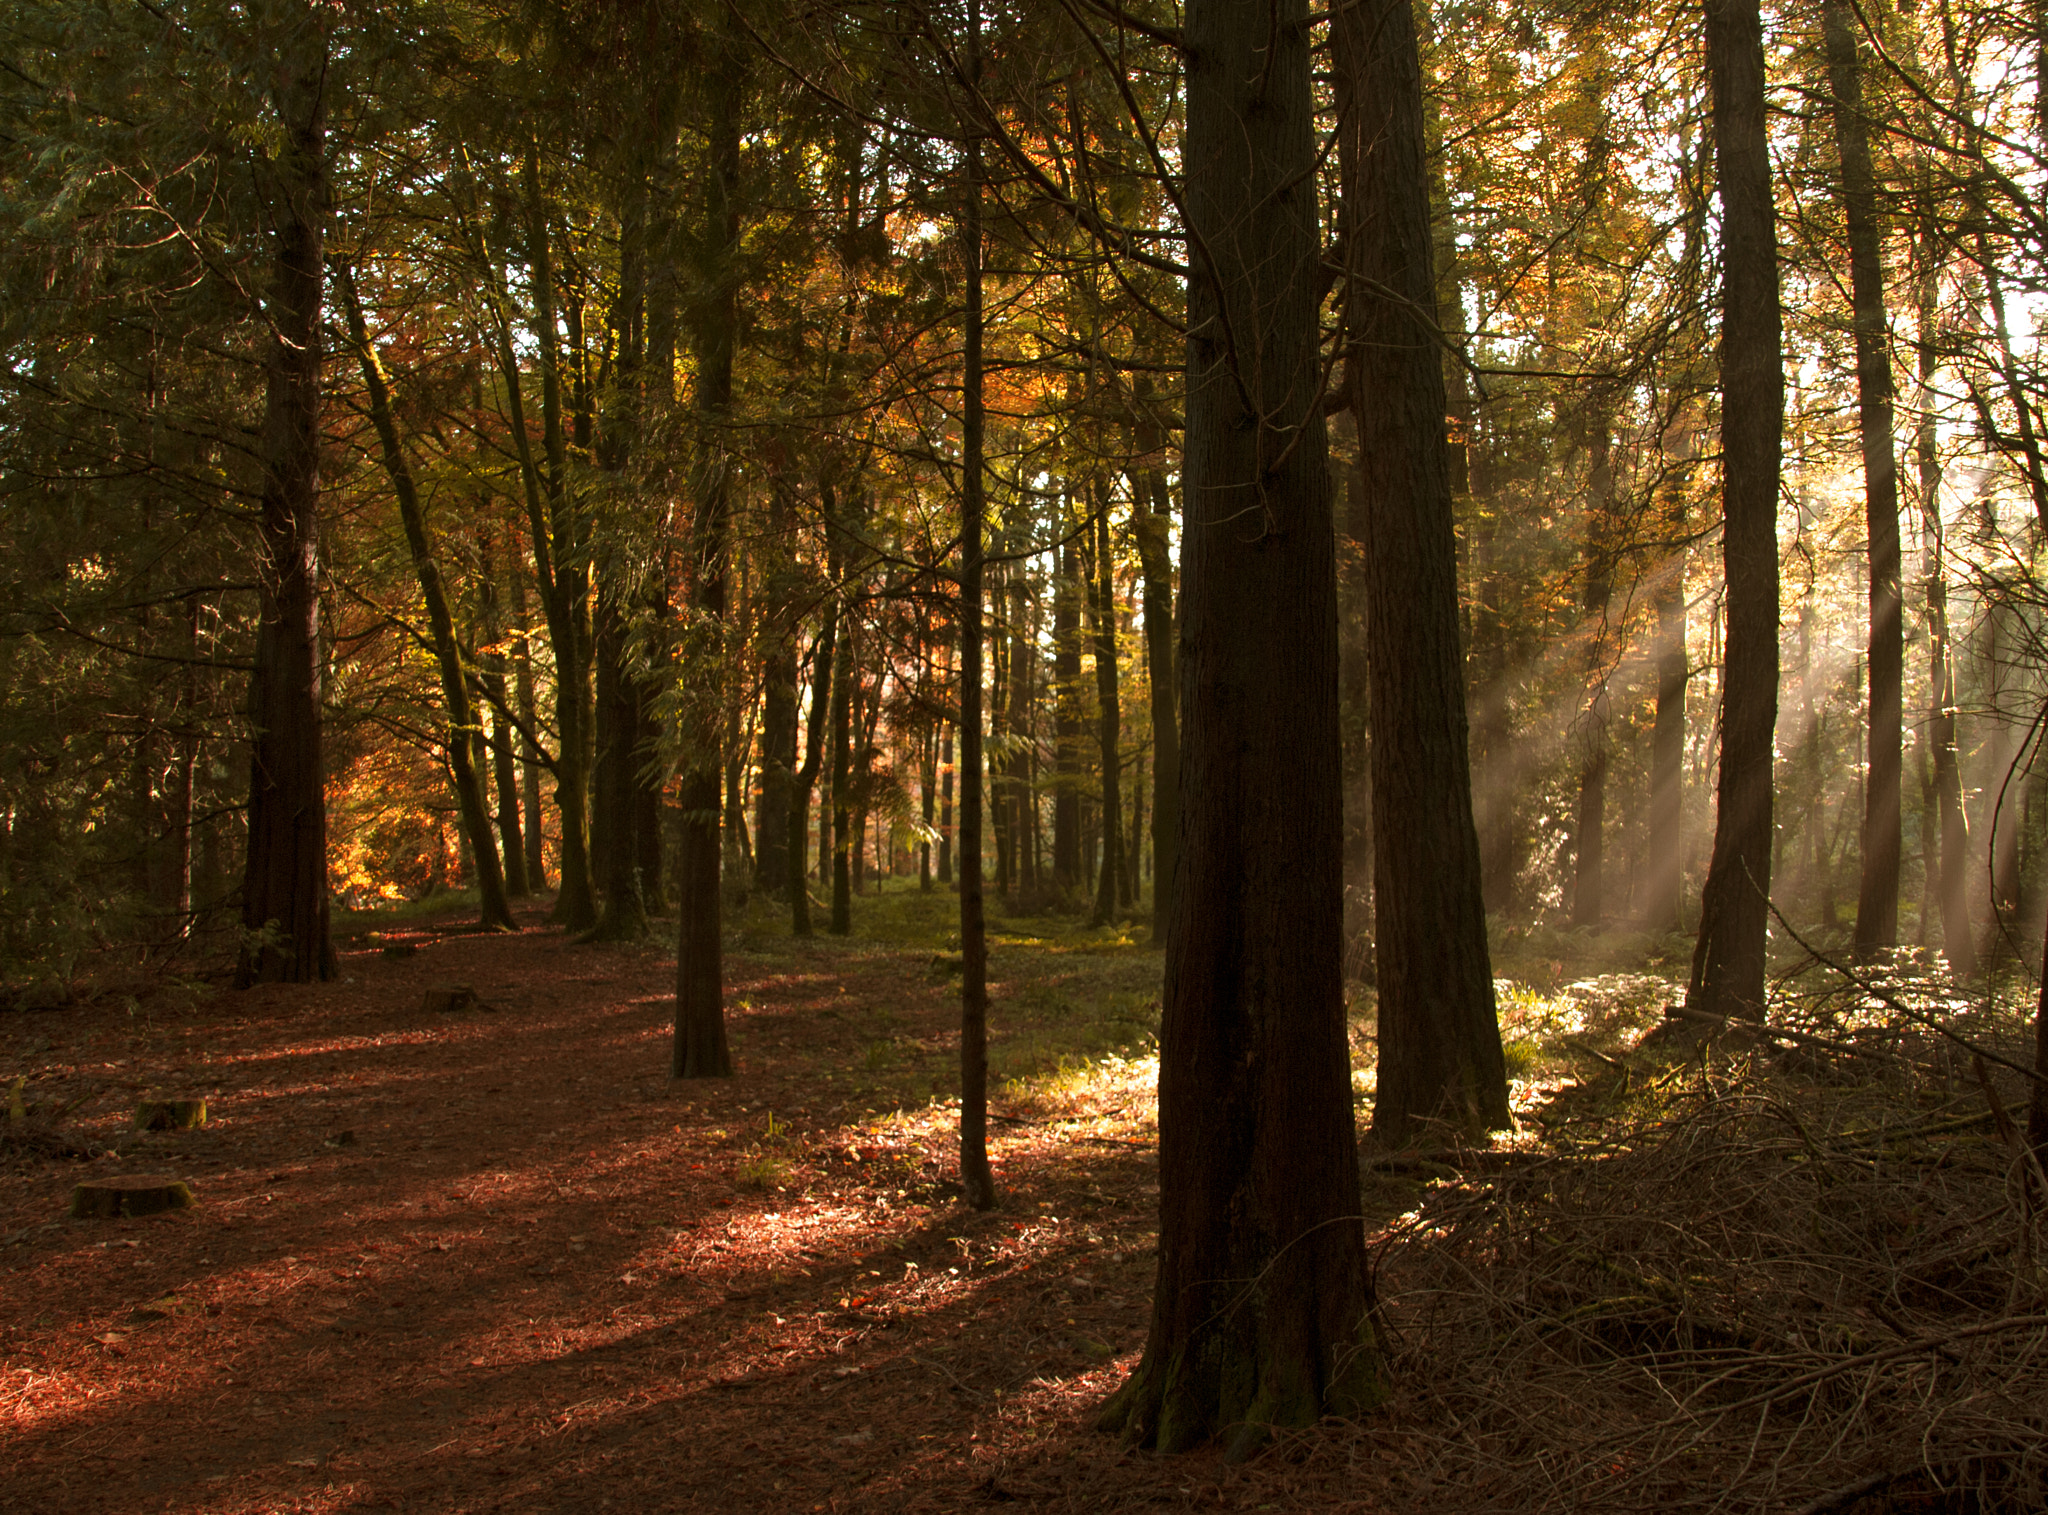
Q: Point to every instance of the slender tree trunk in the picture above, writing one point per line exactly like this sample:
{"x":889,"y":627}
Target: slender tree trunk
{"x":491,"y":675}
{"x":284,"y":887}
{"x":778,"y":765}
{"x":841,"y":789}
{"x":1877,"y":900}
{"x":1663,"y":893}
{"x":563,"y":572}
{"x":946,"y":826}
{"x":1952,"y":886}
{"x":807,"y":776}
{"x":1102,"y":601}
{"x":1439,"y":1038}
{"x":1728,"y":961}
{"x":530,"y":764}
{"x":1066,"y":797}
{"x":928,"y":800}
{"x":977,"y":1178}
{"x":1260,"y":1313}
{"x":465,"y":731}
{"x":700,"y":1043}
{"x":1153,"y":527}
{"x":1589,"y":882}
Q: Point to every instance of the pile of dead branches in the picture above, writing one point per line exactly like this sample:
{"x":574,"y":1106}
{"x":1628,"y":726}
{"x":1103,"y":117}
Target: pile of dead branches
{"x":1798,"y":1270}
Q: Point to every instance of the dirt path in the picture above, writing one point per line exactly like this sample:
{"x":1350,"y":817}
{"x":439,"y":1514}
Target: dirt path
{"x":493,"y":1260}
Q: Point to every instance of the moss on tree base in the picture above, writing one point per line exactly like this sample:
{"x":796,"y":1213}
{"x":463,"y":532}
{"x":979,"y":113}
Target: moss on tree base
{"x":136,"y":1194}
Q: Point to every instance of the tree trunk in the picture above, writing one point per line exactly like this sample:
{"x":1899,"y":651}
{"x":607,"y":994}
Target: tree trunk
{"x":841,"y":788}
{"x":491,"y":675}
{"x":700,"y":1044}
{"x":1952,"y":867}
{"x":465,"y":732}
{"x":530,"y":764}
{"x":807,"y":776}
{"x":284,"y":887}
{"x":1066,"y":723}
{"x":1439,"y":1037}
{"x":946,"y":807}
{"x":1102,"y":602}
{"x":778,"y":767}
{"x":977,"y":1178}
{"x":561,"y":566}
{"x":1728,"y":960}
{"x":1663,"y":891}
{"x":1153,"y":527}
{"x":1589,"y":881}
{"x":1877,"y":899}
{"x":1259,"y":1316}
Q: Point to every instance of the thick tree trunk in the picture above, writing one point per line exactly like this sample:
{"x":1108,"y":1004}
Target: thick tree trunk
{"x":1439,"y":1037}
{"x":284,"y":886}
{"x":977,"y":1178}
{"x":1728,"y":961}
{"x":700,"y":1044}
{"x":465,"y":732}
{"x":1259,"y":1316}
{"x":1877,"y":900}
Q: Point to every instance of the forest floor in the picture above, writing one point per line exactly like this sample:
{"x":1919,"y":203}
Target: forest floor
{"x":493,"y":1259}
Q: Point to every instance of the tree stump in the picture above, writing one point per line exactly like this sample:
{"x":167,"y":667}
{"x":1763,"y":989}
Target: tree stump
{"x":448,"y":998}
{"x":170,"y":1114}
{"x":135,"y":1194}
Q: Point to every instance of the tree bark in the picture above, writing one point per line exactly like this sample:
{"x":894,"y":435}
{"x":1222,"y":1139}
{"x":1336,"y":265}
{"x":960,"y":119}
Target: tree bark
{"x":1153,"y":529}
{"x":807,"y":776}
{"x":1066,"y":721}
{"x":284,"y":885}
{"x":1728,"y":960}
{"x":1439,"y":1036}
{"x":1877,"y":899}
{"x":977,"y":1177}
{"x":1259,"y":1316}
{"x":1102,"y":602}
{"x":700,"y":1044}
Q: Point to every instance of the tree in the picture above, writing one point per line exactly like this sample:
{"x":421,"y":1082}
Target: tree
{"x":1728,"y":958}
{"x":1877,"y":900}
{"x":1259,"y":1314}
{"x":1439,"y":1034}
{"x":284,"y":885}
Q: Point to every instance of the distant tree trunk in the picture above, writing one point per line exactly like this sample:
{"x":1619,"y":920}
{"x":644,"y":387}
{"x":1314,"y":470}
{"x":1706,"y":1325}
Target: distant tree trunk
{"x":1952,"y":871}
{"x":1877,"y":900}
{"x":491,"y":674}
{"x":946,"y":807}
{"x":1590,"y":818}
{"x":624,"y":917}
{"x":561,"y":567}
{"x":1023,"y":691}
{"x":284,"y":887}
{"x":1260,"y":1312}
{"x":841,"y":790}
{"x":1102,"y":601}
{"x":1663,"y":893}
{"x":1152,"y":525}
{"x":1728,"y":961}
{"x":700,"y":1045}
{"x":807,"y":776}
{"x":928,"y":800}
{"x":529,"y":753}
{"x":977,"y":1178}
{"x":1439,"y":1037}
{"x":465,"y":733}
{"x":778,"y":767}
{"x":1066,"y":722}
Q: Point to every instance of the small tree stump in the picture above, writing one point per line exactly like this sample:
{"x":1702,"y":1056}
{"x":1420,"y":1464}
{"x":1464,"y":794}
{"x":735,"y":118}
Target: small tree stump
{"x":170,"y":1114}
{"x":448,"y":998}
{"x":136,"y":1194}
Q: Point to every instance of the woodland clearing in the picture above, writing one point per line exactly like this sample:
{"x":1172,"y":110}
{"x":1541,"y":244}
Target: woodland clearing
{"x":493,"y":1259}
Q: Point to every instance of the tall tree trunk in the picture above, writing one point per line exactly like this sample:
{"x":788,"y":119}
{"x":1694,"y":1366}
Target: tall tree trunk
{"x":977,"y":1178}
{"x":491,"y":676}
{"x":1102,"y":602}
{"x":1260,"y":1313}
{"x":946,"y":819}
{"x":1153,"y":529}
{"x":700,"y":1044}
{"x":1664,"y":886}
{"x":562,"y":567}
{"x":1952,"y":870}
{"x":284,"y":887}
{"x":778,"y":767}
{"x":1066,"y":723}
{"x":1877,"y":899}
{"x":841,"y":788}
{"x":1728,"y":960}
{"x":807,"y":776}
{"x":1590,"y":817}
{"x":1439,"y":1036}
{"x":530,"y":764}
{"x":465,"y":731}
